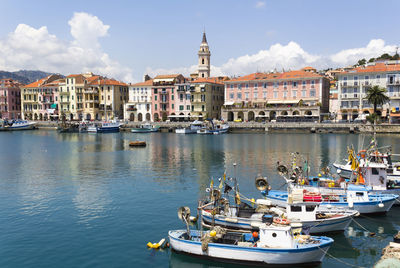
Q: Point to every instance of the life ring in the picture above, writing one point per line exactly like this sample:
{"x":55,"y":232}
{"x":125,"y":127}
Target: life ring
{"x":362,"y":153}
{"x":281,"y":221}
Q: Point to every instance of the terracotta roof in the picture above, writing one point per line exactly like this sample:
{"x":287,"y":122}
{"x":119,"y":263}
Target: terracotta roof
{"x":112,"y":82}
{"x":163,"y":76}
{"x":145,"y":83}
{"x":36,"y":83}
{"x":376,"y":68}
{"x":299,"y":74}
{"x":73,"y":75}
{"x":213,"y":80}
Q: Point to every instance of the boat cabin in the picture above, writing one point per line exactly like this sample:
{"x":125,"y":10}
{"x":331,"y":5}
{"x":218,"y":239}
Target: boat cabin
{"x":305,"y":212}
{"x":357,"y":193}
{"x":276,"y":236}
{"x":374,"y":175}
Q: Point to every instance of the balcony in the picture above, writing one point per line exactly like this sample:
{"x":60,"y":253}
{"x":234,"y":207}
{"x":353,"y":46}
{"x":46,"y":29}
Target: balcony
{"x":162,"y":100}
{"x":131,"y":109}
{"x":108,"y":107}
{"x":64,"y":100}
{"x":91,"y":91}
{"x":92,"y":101}
{"x":163,"y":92}
{"x":64,"y":92}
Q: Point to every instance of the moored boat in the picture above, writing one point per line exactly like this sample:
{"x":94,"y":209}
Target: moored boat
{"x":104,"y":127}
{"x":20,"y":125}
{"x":273,"y":245}
{"x":192,"y":129}
{"x":145,"y":128}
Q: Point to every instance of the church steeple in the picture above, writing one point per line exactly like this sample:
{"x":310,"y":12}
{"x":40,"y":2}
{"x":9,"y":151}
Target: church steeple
{"x":204,"y":58}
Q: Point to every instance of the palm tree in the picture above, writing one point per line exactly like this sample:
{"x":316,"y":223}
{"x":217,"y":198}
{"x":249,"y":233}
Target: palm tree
{"x":376,"y":96}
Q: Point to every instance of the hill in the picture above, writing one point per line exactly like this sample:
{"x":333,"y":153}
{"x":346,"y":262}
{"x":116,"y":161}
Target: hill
{"x":24,"y":76}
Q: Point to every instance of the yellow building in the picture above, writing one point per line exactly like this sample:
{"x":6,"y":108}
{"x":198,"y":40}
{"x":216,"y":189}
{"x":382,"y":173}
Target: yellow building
{"x":39,"y":100}
{"x":207,"y":97}
{"x":104,"y":98}
{"x":71,"y":96}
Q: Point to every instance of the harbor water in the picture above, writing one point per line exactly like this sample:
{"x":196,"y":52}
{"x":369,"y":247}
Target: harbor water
{"x":89,"y":200}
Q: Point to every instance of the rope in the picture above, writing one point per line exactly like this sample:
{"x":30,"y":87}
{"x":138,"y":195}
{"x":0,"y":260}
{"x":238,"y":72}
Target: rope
{"x":339,"y":260}
{"x":365,"y":229}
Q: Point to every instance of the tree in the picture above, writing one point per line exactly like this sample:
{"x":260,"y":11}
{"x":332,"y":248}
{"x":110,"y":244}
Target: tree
{"x":376,"y":96}
{"x":361,"y":62}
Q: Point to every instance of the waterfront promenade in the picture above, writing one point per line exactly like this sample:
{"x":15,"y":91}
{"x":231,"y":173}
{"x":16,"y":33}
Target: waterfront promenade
{"x":248,"y":127}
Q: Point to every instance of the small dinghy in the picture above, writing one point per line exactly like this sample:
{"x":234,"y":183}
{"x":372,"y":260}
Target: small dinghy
{"x":274,"y":244}
{"x":137,"y":144}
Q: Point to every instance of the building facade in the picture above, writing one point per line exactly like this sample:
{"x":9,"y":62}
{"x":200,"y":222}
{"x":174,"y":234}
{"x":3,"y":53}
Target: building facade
{"x":39,"y":100}
{"x":138,"y":108}
{"x":182,"y":101}
{"x":10,"y":99}
{"x":353,"y":85}
{"x":104,"y":99}
{"x":71,"y":96}
{"x":163,"y":95}
{"x":294,"y":95}
{"x":207,"y":98}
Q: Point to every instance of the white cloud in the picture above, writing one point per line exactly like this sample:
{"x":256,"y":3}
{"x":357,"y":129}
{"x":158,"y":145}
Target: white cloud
{"x":291,"y":56}
{"x":31,"y":48}
{"x":260,"y":4}
{"x":375,"y":47}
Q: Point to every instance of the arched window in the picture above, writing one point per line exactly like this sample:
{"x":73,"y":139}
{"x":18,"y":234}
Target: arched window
{"x":202,"y":61}
{"x":202,"y":75}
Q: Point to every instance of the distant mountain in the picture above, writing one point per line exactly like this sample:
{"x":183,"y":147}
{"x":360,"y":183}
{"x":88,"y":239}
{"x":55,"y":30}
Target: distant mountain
{"x":24,"y":76}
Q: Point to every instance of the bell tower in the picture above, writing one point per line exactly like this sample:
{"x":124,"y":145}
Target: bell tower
{"x":204,"y":58}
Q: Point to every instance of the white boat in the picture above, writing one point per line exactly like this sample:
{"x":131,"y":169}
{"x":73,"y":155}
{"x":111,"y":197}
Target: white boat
{"x":214,"y":129}
{"x":192,"y":129}
{"x":276,"y":245}
{"x":310,"y":215}
{"x":21,"y":125}
{"x":145,"y":128}
{"x":357,"y":197}
{"x":104,"y":127}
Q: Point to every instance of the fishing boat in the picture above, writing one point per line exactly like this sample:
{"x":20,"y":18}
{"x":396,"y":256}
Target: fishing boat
{"x":145,"y":128}
{"x":215,"y":129}
{"x":20,"y":125}
{"x":104,"y":127}
{"x":274,"y":244}
{"x":357,"y":197}
{"x":239,"y":215}
{"x":192,"y":129}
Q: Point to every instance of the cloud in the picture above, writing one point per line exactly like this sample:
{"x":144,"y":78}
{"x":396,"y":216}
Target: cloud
{"x":31,"y":48}
{"x":260,"y":4}
{"x":289,"y":57}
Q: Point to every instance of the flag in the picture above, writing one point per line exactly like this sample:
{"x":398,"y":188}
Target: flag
{"x":212,"y":183}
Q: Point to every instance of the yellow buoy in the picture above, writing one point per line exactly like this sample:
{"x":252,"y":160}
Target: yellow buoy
{"x":213,"y":233}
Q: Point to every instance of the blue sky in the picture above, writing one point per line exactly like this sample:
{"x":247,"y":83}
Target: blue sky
{"x":164,"y":36}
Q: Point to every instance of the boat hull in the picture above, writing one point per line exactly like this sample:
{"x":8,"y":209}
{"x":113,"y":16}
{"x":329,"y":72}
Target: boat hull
{"x":312,"y":254}
{"x":143,"y":130}
{"x":279,"y":198}
{"x":337,"y":224}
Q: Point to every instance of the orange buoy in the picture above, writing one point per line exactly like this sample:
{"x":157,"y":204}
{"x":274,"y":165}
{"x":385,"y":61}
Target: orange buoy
{"x":137,"y":144}
{"x":255,"y":234}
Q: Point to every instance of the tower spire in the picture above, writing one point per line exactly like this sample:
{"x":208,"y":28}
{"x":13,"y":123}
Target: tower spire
{"x":204,"y":37}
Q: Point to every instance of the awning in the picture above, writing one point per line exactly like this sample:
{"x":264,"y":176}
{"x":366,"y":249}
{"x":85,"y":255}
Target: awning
{"x":262,"y":115}
{"x":229,"y":103}
{"x":53,"y":106}
{"x":395,"y":115}
{"x":282,"y":101}
{"x":178,"y":115}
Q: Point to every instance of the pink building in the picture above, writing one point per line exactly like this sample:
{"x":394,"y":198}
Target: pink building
{"x":182,"y":101}
{"x":266,"y":96}
{"x":163,"y":95}
{"x":10,"y":99}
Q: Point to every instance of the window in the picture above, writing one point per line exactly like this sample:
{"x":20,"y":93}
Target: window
{"x":294,"y":93}
{"x":312,"y":83}
{"x":310,"y":208}
{"x":155,"y":97}
{"x":231,"y":96}
{"x":275,"y":94}
{"x":284,"y":85}
{"x":265,"y":85}
{"x":255,"y":95}
{"x":276,"y":84}
{"x":285,"y":94}
{"x":231,"y":86}
{"x":202,"y":108}
{"x":295,"y":208}
{"x":172,"y":106}
{"x":295,"y":84}
{"x":303,"y":93}
{"x":239,"y":96}
{"x":239,"y":86}
{"x":247,"y":85}
{"x":187,"y":107}
{"x":256,"y":85}
{"x":172,"y":97}
{"x":155,"y":107}
{"x":246,"y":95}
{"x":312,"y":93}
{"x":265,"y":94}
{"x":374,"y":171}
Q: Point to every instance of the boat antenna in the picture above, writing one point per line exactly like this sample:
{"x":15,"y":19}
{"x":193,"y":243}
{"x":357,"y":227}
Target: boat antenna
{"x":235,"y":179}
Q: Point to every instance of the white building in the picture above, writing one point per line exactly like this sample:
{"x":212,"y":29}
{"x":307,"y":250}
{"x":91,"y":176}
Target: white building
{"x":353,"y":85}
{"x":138,"y":108}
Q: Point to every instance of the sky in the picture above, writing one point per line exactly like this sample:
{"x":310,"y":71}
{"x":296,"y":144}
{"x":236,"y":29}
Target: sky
{"x":127,"y":39}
